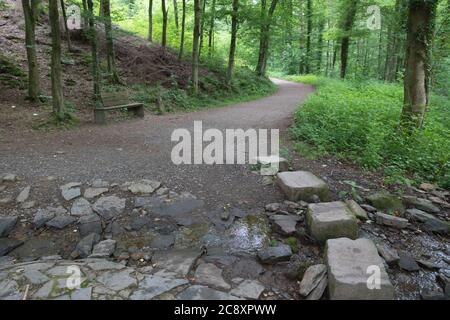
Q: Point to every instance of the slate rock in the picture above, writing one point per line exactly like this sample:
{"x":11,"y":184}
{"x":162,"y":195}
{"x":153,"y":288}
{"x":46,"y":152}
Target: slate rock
{"x":60,"y":221}
{"x":163,"y":242}
{"x":359,"y":212}
{"x":7,"y":245}
{"x":386,"y":202}
{"x":421,"y":204}
{"x":71,"y":193}
{"x":430,"y":222}
{"x":284,"y":224}
{"x":281,"y":252}
{"x":390,"y":220}
{"x":81,"y":207}
{"x":210,"y":275}
{"x":84,"y":247}
{"x":144,"y":186}
{"x":390,"y":255}
{"x":89,"y":224}
{"x":198,"y":292}
{"x":7,"y":224}
{"x":153,"y":286}
{"x":104,"y":248}
{"x":248,"y":289}
{"x":179,"y":262}
{"x":118,"y":280}
{"x":23,"y":195}
{"x":311,"y":279}
{"x":408,"y":263}
{"x":273,"y":207}
{"x":91,"y":193}
{"x":109,"y":207}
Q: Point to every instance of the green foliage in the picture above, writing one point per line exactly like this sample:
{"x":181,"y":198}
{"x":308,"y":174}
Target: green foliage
{"x":292,"y":242}
{"x":358,"y":121}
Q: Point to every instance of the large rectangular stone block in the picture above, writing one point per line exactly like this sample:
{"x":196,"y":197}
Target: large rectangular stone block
{"x":353,"y":268}
{"x":330,"y":220}
{"x":303,"y":185}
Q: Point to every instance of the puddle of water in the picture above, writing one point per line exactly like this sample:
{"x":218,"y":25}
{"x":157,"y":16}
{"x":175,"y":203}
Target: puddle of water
{"x":248,"y":234}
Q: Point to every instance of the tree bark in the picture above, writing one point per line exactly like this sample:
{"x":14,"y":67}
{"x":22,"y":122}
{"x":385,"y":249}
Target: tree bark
{"x":110,"y":52}
{"x":202,"y":28}
{"x":57,"y":93}
{"x":164,"y":25}
{"x":308,"y":35}
{"x":183,"y":27}
{"x":66,"y":28}
{"x":321,"y":27}
{"x":95,"y":64}
{"x":347,"y":28}
{"x":150,"y":20}
{"x":420,"y":26}
{"x":234,"y":28}
{"x":30,"y":44}
{"x":211,"y":29}
{"x":195,"y":44}
{"x":266,"y":19}
{"x":175,"y":13}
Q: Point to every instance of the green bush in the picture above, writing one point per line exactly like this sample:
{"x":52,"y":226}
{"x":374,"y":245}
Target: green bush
{"x":359,"y":121}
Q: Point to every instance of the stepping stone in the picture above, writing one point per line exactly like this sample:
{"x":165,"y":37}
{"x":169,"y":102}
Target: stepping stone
{"x":197,"y":292}
{"x":81,"y":294}
{"x":118,"y":281}
{"x":248,"y":289}
{"x":7,"y":223}
{"x":23,"y":195}
{"x":271,"y":165}
{"x":349,"y":271}
{"x":91,"y":193}
{"x":81,"y":207}
{"x":102,"y":264}
{"x":210,"y":275}
{"x":276,"y":254}
{"x":179,"y":262}
{"x":330,"y":220}
{"x":302,"y":185}
{"x":109,"y":207}
{"x":311,"y":279}
{"x":153,"y":286}
{"x":391,"y":221}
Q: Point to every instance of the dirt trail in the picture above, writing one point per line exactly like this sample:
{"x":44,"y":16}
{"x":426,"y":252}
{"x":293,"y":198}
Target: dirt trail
{"x":141,"y":149}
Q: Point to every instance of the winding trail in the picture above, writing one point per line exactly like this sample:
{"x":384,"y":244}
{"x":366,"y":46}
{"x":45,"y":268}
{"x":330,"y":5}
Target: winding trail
{"x":141,"y":149}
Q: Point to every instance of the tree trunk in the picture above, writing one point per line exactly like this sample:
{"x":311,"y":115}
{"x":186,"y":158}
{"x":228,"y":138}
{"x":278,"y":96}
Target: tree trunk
{"x":93,"y":41}
{"x":320,"y":45}
{"x":164,"y":25}
{"x":308,"y":35}
{"x":175,"y":13}
{"x":183,"y":27}
{"x":150,"y":20}
{"x":211,"y":29}
{"x":266,"y":19}
{"x":195,"y":44}
{"x":234,"y":28}
{"x":421,"y":17}
{"x":66,"y":29}
{"x":85,"y":18}
{"x":30,"y":44}
{"x":110,"y":52}
{"x":57,"y":93}
{"x":202,"y":28}
{"x":347,"y":28}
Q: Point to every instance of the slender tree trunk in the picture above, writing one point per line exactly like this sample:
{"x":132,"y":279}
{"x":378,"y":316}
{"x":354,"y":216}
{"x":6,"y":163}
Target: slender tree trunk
{"x":164,"y":25}
{"x":308,"y":35}
{"x":195,"y":44}
{"x":110,"y":52}
{"x":183,"y":27}
{"x":321,"y":27}
{"x":202,"y":28}
{"x":175,"y":13}
{"x":347,"y":28}
{"x":420,"y":26}
{"x":266,"y":18}
{"x":211,"y":29}
{"x":66,"y":28}
{"x":234,"y":28}
{"x":85,"y":17}
{"x":150,"y":20}
{"x":57,"y":93}
{"x":95,"y":64}
{"x":30,"y":44}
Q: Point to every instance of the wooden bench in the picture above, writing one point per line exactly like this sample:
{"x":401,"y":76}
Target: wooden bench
{"x":117,"y":100}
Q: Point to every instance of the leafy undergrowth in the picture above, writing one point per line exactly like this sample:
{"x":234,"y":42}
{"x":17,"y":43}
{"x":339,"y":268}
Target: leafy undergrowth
{"x":359,"y":122}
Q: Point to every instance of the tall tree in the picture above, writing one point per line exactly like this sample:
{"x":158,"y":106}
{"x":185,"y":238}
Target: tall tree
{"x":164,"y":25}
{"x":266,"y":21}
{"x":234,"y":28}
{"x":110,"y":52}
{"x":347,"y":26}
{"x":202,"y":27}
{"x":57,"y":94}
{"x":66,"y":28}
{"x":175,"y":13}
{"x":420,"y":27}
{"x":211,"y":28}
{"x":195,"y":43}
{"x":183,"y":27}
{"x":150,"y":20}
{"x":394,"y":41}
{"x":95,"y":64}
{"x":29,"y":10}
{"x":309,"y":15}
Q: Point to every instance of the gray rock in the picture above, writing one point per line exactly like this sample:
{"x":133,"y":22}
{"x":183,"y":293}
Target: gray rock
{"x":430,"y":223}
{"x":408,"y":263}
{"x":179,"y":262}
{"x":210,"y":275}
{"x":7,"y":223}
{"x":23,"y":195}
{"x":432,"y":294}
{"x":91,"y":193}
{"x":104,"y":248}
{"x":9,"y":290}
{"x":118,"y":281}
{"x":44,"y":215}
{"x":359,"y":212}
{"x":270,"y":165}
{"x":28,"y":204}
{"x":99,"y":183}
{"x":60,"y":221}
{"x":70,"y":185}
{"x":386,"y":202}
{"x":225,"y":215}
{"x":163,"y":242}
{"x":331,"y":220}
{"x":81,"y":294}
{"x":89,"y":224}
{"x":302,"y":185}
{"x":198,"y":292}
{"x":153,"y":286}
{"x":248,"y":289}
{"x":9,"y":177}
{"x":84,"y":247}
{"x":421,"y":204}
{"x":389,"y":254}
{"x":144,"y":186}
{"x":102,"y":264}
{"x":318,"y":291}
{"x":71,"y":193}
{"x":429,"y":264}
{"x":36,"y":277}
{"x":81,"y":207}
{"x":311,"y":279}
{"x":391,"y":221}
{"x":284,"y":224}
{"x":273,"y":207}
{"x":349,"y":263}
{"x":109,"y":207}
{"x":6,"y":200}
{"x":282,"y":252}
{"x":7,"y":245}
{"x":368,"y":208}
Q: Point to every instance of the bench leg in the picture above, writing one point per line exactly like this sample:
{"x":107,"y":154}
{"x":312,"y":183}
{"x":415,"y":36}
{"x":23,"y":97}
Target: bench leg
{"x":137,"y":111}
{"x":99,"y":116}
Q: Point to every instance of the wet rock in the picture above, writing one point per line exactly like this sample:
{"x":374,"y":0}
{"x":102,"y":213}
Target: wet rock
{"x":302,"y":185}
{"x":7,"y":245}
{"x":23,"y":195}
{"x":139,"y":222}
{"x":109,"y":207}
{"x":391,"y":221}
{"x":81,"y":207}
{"x":359,"y":212}
{"x":9,"y":177}
{"x":248,"y":289}
{"x":7,"y":223}
{"x":276,"y":254}
{"x":421,"y":204}
{"x":117,"y":281}
{"x":430,"y":222}
{"x":389,"y":254}
{"x":348,"y":263}
{"x":284,"y":224}
{"x":247,"y":268}
{"x":210,"y":275}
{"x":331,"y":220}
{"x":60,"y":221}
{"x":198,"y":292}
{"x":408,"y":263}
{"x":35,"y":276}
{"x":428,"y":264}
{"x":386,"y":202}
{"x":153,"y":286}
{"x":104,"y":248}
{"x":34,"y":248}
{"x":89,"y":224}
{"x":177,"y":261}
{"x":91,"y":193}
{"x":163,"y":242}
{"x":432,"y":294}
{"x":311,"y":279}
{"x":70,"y":193}
{"x":84,"y":247}
{"x":144,"y":186}
{"x":273,"y":207}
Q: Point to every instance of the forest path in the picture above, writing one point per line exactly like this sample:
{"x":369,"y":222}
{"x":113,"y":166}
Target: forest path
{"x":141,"y":149}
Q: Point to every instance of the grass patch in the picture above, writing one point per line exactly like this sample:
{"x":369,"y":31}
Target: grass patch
{"x":358,"y":121}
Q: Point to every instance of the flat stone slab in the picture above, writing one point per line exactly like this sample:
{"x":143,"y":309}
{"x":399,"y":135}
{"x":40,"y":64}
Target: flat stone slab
{"x":276,"y":254}
{"x":210,"y":275}
{"x":390,"y":220}
{"x":302,"y":185}
{"x":284,"y":224}
{"x":144,"y":186}
{"x":312,"y":277}
{"x":109,"y":207}
{"x":91,"y":193}
{"x":177,"y":261}
{"x":81,"y":207}
{"x":204,"y":293}
{"x":118,"y":280}
{"x":7,"y":223}
{"x":23,"y":195}
{"x":248,"y":289}
{"x":7,"y":245}
{"x":153,"y":286}
{"x":351,"y":265}
{"x":329,"y":220}
{"x":271,"y":165}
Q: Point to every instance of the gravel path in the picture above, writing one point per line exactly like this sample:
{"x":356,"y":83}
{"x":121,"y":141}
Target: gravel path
{"x":141,"y":149}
